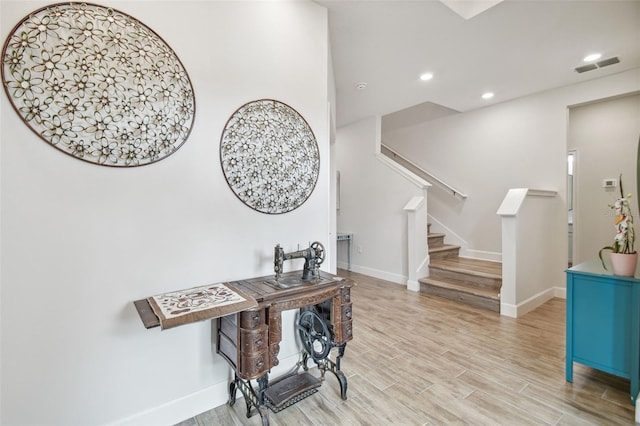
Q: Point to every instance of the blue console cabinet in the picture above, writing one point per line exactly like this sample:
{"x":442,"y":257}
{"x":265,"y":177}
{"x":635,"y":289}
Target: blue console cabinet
{"x":603,"y":322}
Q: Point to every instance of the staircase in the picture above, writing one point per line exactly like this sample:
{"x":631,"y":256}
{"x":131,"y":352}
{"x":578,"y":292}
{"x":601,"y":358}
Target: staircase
{"x":471,"y":281}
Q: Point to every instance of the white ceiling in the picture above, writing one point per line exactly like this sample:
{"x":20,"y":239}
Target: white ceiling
{"x":513,"y":48}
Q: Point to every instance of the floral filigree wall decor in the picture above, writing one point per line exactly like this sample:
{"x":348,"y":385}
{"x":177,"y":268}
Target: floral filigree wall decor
{"x":269,"y":156}
{"x":98,"y":84}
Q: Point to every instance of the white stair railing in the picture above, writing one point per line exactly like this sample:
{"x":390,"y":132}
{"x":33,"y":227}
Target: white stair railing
{"x":416,"y":208}
{"x":410,"y":165}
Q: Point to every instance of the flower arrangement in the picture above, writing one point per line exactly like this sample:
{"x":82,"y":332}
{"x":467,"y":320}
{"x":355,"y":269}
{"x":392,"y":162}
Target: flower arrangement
{"x":625,"y":234}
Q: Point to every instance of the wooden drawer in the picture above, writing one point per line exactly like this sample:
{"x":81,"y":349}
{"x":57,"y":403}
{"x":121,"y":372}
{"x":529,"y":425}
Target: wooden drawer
{"x":252,"y":341}
{"x":252,"y":319}
{"x":345,"y":294}
{"x":252,"y":367}
{"x":245,"y":349}
{"x":345,"y":312}
{"x":343,"y":331}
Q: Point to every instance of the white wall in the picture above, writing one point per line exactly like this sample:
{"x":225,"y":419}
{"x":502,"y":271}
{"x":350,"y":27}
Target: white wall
{"x":371,"y":204}
{"x":538,"y":213}
{"x":529,"y":266}
{"x":483,"y":153}
{"x":81,"y":242}
{"x":605,"y":136}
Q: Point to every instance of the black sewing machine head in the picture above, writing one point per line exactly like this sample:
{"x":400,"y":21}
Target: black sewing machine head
{"x":313,"y":256}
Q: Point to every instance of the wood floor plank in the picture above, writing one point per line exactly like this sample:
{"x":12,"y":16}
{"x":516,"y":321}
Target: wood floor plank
{"x":420,"y":360}
{"x":501,"y":412}
{"x":459,"y":407}
{"x":491,"y":370}
{"x":591,"y":410}
{"x":382,"y":407}
{"x":544,"y":413}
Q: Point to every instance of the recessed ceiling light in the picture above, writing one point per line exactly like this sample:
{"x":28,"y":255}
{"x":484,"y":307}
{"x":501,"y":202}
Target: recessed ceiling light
{"x":487,"y":95}
{"x":361,"y":86}
{"x":592,"y":57}
{"x":426,"y":76}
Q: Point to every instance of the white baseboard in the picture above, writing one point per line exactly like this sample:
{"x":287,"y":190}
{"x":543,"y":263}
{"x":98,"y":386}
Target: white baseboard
{"x":191,"y":405}
{"x":413,"y":285}
{"x":343,"y":265}
{"x":515,"y":311}
{"x":481,"y":255}
{"x":383,"y":275}
{"x":180,"y":409}
{"x":508,"y":310}
{"x":560,"y":292}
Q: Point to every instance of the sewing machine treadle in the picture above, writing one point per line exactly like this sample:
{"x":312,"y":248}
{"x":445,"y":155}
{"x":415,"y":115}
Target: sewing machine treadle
{"x":290,"y":389}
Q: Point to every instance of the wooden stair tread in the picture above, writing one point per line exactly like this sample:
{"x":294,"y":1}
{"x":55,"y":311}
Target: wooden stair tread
{"x":473,"y":282}
{"x":476,"y":267}
{"x":445,"y":247}
{"x":461,"y":287}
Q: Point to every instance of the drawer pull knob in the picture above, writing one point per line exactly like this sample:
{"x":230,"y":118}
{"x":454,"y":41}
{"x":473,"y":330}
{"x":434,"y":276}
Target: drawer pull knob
{"x":259,"y":364}
{"x":348,"y":314}
{"x":259,"y":342}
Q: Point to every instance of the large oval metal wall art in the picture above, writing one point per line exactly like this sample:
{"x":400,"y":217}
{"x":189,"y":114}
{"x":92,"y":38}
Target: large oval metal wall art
{"x":269,"y":156}
{"x":98,"y":84}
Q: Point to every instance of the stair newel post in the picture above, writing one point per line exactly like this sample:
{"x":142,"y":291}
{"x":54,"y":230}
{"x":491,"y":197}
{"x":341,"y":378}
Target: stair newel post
{"x":530,"y":258}
{"x":417,"y":244}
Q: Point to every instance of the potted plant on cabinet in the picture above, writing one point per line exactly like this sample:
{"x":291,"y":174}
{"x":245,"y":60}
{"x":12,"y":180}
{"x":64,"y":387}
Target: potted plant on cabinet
{"x":623,"y":256}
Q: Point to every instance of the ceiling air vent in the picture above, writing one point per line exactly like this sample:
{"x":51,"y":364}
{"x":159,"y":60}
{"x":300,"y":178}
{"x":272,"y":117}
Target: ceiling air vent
{"x":600,"y":64}
{"x":585,"y":68}
{"x":606,"y":62}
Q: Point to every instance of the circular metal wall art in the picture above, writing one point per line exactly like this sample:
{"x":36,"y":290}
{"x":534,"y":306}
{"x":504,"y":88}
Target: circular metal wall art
{"x":98,"y":84}
{"x":269,"y":156}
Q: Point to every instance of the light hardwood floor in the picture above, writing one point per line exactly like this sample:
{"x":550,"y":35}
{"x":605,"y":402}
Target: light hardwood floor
{"x":420,"y":360}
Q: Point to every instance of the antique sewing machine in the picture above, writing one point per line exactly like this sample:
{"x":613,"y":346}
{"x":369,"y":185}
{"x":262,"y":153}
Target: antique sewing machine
{"x":313,"y":257}
{"x":249,"y":332}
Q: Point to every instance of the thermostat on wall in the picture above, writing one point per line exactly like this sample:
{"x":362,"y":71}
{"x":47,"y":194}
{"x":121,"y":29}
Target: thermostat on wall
{"x":609,"y":183}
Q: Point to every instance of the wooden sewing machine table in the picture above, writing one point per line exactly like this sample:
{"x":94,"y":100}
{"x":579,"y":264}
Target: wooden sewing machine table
{"x":249,"y":337}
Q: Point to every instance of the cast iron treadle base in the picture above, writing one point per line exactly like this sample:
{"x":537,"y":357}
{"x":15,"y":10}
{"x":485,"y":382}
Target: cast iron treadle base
{"x":289,"y":390}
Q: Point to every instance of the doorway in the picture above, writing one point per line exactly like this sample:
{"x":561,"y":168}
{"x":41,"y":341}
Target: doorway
{"x":571,"y":172}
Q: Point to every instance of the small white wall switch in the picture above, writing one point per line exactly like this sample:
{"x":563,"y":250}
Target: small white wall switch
{"x":609,"y":183}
